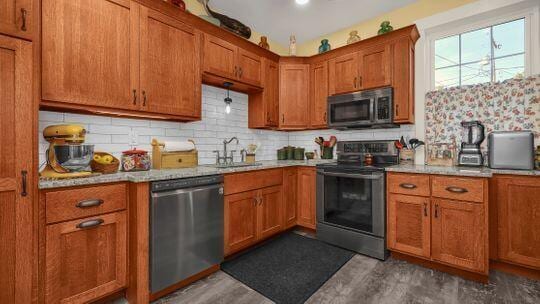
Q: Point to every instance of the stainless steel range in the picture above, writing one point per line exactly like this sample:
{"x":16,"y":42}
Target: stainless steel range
{"x":351,"y":201}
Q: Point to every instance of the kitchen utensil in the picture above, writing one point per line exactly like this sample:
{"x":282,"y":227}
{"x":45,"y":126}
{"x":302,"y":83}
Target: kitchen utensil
{"x":398,"y":145}
{"x":418,"y":144}
{"x":403,"y":143}
{"x":473,"y":135}
{"x":333,"y":141}
{"x":407,"y":141}
{"x":413,"y":142}
{"x":67,"y":156}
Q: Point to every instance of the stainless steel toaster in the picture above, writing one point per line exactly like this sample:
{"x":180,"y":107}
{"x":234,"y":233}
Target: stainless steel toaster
{"x":511,"y":150}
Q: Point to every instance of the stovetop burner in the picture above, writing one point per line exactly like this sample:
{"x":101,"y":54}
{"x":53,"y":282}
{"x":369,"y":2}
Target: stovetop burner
{"x":351,"y":155}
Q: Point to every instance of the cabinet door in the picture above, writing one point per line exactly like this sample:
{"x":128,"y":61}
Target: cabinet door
{"x":16,"y":208}
{"x":318,"y":94}
{"x":271,"y":92}
{"x":83,"y":264}
{"x":240,"y":220}
{"x":518,"y":209}
{"x":375,"y":67}
{"x":306,"y":197}
{"x":409,"y":224}
{"x":90,"y":52}
{"x":294,"y":96}
{"x":403,"y":80}
{"x":170,"y":69}
{"x":343,"y":74}
{"x":459,"y":234}
{"x":270,"y":211}
{"x":219,"y":57}
{"x":249,"y":67}
{"x":289,"y":197}
{"x":16,"y":18}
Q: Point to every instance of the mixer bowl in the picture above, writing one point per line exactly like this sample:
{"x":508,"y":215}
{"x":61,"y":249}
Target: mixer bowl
{"x":74,"y":157}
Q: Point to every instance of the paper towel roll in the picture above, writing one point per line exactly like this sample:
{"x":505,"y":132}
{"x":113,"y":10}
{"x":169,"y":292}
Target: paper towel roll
{"x":178,"y":146}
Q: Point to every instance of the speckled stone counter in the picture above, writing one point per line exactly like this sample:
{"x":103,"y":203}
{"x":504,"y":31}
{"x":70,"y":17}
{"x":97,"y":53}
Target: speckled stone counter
{"x":155,"y":175}
{"x":459,"y":171}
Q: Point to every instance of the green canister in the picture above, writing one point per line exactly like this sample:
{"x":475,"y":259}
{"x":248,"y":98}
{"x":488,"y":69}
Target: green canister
{"x":299,"y":153}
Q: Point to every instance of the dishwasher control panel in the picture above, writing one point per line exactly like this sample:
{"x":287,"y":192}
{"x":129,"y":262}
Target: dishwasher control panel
{"x":186,"y":183}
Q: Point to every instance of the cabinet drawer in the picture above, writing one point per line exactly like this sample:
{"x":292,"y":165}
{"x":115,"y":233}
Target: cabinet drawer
{"x":63,"y":205}
{"x":410,"y":184}
{"x":246,"y":181}
{"x":458,"y":188}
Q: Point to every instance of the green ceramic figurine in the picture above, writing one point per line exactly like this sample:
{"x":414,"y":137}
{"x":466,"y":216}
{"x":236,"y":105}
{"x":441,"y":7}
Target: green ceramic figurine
{"x":325,"y":46}
{"x":385,"y":28}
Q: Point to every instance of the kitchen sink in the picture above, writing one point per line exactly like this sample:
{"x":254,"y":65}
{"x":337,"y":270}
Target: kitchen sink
{"x":234,"y":165}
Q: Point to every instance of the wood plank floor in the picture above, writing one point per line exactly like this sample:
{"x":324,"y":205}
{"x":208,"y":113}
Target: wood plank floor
{"x":366,"y":280}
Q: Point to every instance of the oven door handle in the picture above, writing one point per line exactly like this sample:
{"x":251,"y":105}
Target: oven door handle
{"x":359,"y":176}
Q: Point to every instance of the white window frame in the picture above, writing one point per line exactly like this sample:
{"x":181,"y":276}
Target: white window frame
{"x":531,"y":38}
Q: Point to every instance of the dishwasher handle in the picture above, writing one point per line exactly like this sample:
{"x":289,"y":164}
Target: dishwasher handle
{"x":187,"y":190}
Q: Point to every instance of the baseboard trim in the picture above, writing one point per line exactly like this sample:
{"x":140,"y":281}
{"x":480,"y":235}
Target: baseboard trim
{"x":533,"y":274}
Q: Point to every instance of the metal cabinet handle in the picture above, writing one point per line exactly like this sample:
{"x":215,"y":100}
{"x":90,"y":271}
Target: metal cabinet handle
{"x":355,"y":81}
{"x":260,"y":200}
{"x":23,"y":15}
{"x":408,"y":186}
{"x":425,"y":209}
{"x":89,"y":203}
{"x":397,"y":110}
{"x":241,"y":71}
{"x":134,"y":97}
{"x":255,"y":200}
{"x":360,"y":82}
{"x":456,"y":190}
{"x":144,"y":98}
{"x":24,"y":173}
{"x":90,"y":224}
{"x":283,"y":118}
{"x":436,"y":210}
{"x":324,"y":116}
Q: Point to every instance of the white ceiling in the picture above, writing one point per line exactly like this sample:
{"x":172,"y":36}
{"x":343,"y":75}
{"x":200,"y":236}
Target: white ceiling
{"x":278,"y":19}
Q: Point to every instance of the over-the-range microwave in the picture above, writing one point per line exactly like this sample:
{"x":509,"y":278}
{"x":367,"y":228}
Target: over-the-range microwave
{"x":363,"y":109}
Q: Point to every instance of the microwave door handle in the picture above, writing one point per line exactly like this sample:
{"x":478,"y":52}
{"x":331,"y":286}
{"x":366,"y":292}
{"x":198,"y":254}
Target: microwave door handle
{"x":359,"y":176}
{"x":373,"y":110}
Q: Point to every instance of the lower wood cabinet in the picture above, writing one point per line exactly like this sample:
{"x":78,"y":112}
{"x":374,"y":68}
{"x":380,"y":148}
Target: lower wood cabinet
{"x":409,"y":220}
{"x":289,"y":197}
{"x":269,"y":211}
{"x":85,"y":258}
{"x":306,"y":197}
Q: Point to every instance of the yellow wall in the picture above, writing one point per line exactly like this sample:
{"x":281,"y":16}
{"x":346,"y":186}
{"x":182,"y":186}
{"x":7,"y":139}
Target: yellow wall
{"x":197,"y":9}
{"x":398,"y":18}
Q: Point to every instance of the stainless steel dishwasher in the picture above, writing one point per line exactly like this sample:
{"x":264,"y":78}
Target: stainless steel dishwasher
{"x":186,"y":228}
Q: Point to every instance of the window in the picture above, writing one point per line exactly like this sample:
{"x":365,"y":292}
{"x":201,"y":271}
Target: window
{"x":492,"y":53}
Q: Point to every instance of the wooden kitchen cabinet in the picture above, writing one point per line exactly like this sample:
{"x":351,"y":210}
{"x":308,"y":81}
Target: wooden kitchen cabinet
{"x":249,"y":67}
{"x":375,"y":64}
{"x":270,"y":211}
{"x":403,"y":80}
{"x":318,"y":94}
{"x":343,"y":74}
{"x":517,"y":220}
{"x":86,"y":258}
{"x":17,"y":229}
{"x":16,"y":18}
{"x":306,"y":195}
{"x":459,"y":234}
{"x":240,"y":220}
{"x":409,"y":220}
{"x":264,"y":106}
{"x":170,"y":78}
{"x":290,"y":182}
{"x":90,"y":53}
{"x":294,"y":96}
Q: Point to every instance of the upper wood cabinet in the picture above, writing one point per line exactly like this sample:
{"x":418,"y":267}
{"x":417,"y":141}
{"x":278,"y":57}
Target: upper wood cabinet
{"x":343,"y":74}
{"x":224,"y":59}
{"x":318,"y":94}
{"x":264,"y":106}
{"x":374,"y":67}
{"x":86,"y":258}
{"x":517,"y":219}
{"x":306,"y":197}
{"x":17,"y":232}
{"x":16,"y":18}
{"x":403,"y":80}
{"x":459,"y":234}
{"x":170,"y":65}
{"x":409,"y":224}
{"x":294,"y":96}
{"x":90,"y":52}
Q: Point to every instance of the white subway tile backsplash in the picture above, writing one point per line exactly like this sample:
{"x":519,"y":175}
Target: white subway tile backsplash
{"x":113,"y":134}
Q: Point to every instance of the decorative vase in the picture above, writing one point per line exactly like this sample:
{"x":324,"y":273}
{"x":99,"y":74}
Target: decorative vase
{"x":264,"y":43}
{"x":325,"y":46}
{"x":292,"y":46}
{"x":353,"y":37}
{"x":180,"y":3}
{"x":385,"y":28}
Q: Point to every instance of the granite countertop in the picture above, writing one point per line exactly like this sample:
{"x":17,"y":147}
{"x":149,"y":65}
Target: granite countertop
{"x":156,"y":175}
{"x":459,"y":171}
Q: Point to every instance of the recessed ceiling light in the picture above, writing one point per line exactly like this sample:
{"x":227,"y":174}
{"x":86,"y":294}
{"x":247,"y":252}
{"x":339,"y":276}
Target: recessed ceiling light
{"x":302,"y":2}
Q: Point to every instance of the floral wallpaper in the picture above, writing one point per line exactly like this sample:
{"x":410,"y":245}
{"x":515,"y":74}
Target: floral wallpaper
{"x":511,"y":105}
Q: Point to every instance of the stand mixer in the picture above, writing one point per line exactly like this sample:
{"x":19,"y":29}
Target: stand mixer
{"x":67,"y":156}
{"x":473,"y":136}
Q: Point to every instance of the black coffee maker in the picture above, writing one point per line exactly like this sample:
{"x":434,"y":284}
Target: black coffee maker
{"x":473,"y":136}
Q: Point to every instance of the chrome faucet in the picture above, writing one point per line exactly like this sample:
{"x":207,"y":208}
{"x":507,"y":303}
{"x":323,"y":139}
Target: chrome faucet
{"x":226,"y":159}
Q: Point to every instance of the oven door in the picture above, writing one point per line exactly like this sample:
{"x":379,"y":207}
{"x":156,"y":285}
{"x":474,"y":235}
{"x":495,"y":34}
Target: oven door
{"x":351,"y":110}
{"x":354,"y":201}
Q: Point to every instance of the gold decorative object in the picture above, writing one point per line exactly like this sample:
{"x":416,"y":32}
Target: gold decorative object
{"x":353,"y":37}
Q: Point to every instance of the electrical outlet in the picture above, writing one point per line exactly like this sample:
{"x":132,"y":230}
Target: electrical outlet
{"x":133,"y":138}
